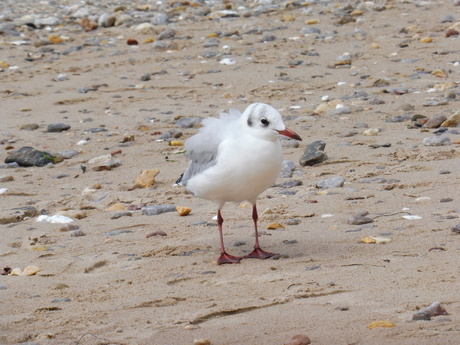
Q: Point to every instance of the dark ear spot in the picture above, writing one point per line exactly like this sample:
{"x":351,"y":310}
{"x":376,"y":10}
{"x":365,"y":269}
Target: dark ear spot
{"x":250,"y":123}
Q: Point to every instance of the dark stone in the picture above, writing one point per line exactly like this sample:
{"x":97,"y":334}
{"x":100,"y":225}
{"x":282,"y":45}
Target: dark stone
{"x":28,"y":156}
{"x":314,"y":154}
{"x":57,"y":127}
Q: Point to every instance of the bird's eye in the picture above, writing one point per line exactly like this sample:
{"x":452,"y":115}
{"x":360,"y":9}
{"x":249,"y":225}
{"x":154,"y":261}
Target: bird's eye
{"x":264,"y":121}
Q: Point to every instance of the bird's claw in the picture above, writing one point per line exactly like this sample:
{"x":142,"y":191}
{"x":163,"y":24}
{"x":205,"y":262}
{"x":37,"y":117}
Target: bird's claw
{"x":258,"y":253}
{"x":225,"y":258}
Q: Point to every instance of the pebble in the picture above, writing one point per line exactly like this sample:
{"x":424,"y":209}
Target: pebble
{"x":290,"y":184}
{"x":334,"y":182}
{"x":183,"y":211}
{"x":452,"y":121}
{"x":116,"y":233}
{"x":435,"y":121}
{"x":147,"y":178}
{"x":188,"y":122}
{"x":359,"y":219}
{"x":434,"y":309}
{"x":441,"y":140}
{"x":313,"y":154}
{"x":456,"y":229}
{"x":57,"y":127}
{"x":202,"y":342}
{"x":157,"y":209}
{"x":6,"y":178}
{"x":299,"y":339}
{"x":287,"y":168}
{"x":29,"y":127}
{"x":67,"y":154}
{"x":121,"y":214}
{"x":167,"y":34}
{"x":348,"y":133}
{"x":27,"y":156}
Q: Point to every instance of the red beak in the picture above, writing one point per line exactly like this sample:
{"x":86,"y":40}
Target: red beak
{"x":291,"y":134}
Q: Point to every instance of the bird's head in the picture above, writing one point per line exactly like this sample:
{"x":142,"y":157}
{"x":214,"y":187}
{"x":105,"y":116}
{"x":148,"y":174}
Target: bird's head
{"x":264,"y":121}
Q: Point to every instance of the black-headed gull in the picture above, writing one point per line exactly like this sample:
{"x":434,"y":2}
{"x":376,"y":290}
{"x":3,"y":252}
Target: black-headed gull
{"x":234,"y":159}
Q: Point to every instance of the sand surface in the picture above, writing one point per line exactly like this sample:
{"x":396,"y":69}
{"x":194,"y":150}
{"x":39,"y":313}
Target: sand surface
{"x":127,"y":288}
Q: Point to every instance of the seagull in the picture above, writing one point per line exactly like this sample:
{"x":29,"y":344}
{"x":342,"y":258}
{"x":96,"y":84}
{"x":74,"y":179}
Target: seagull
{"x":235,"y":158}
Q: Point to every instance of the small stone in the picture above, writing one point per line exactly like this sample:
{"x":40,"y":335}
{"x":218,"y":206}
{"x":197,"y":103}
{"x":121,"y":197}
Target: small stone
{"x":299,"y":339}
{"x":29,"y":127}
{"x":121,"y":214}
{"x":421,"y":317}
{"x":60,"y":286}
{"x":441,"y":140}
{"x":274,"y":226}
{"x":6,"y":178}
{"x":117,"y":207}
{"x":183,"y":211}
{"x":287,"y":168}
{"x":348,"y":133}
{"x":147,"y":178}
{"x":371,"y":132}
{"x":452,"y":32}
{"x":201,"y":342}
{"x":167,"y":34}
{"x":452,"y":121}
{"x":157,"y":209}
{"x":116,"y":233}
{"x":77,"y":233}
{"x":292,"y":221}
{"x":434,"y":309}
{"x":359,"y":220}
{"x":435,"y":121}
{"x":145,"y":28}
{"x":334,"y":182}
{"x":28,"y":156}
{"x":57,"y":127}
{"x":313,"y":154}
{"x":426,"y":40}
{"x":188,"y":122}
{"x":456,"y":229}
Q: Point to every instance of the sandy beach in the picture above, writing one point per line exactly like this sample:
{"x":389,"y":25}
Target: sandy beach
{"x":122,"y":96}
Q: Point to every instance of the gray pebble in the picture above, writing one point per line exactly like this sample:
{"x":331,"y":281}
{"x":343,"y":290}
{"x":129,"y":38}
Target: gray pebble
{"x":116,"y":233}
{"x":239,"y":243}
{"x":310,"y":30}
{"x":287,"y":168}
{"x":57,"y":127}
{"x":334,"y":182}
{"x":290,"y":184}
{"x":121,"y":214}
{"x":456,"y":229}
{"x":348,"y":133}
{"x":340,"y":111}
{"x":188,"y":122}
{"x":292,"y":221}
{"x":60,"y":300}
{"x":359,"y":220}
{"x":210,"y":53}
{"x":67,"y":154}
{"x":167,"y":34}
{"x":286,"y":192}
{"x":160,"y":19}
{"x":157,"y":209}
{"x":441,"y":140}
{"x":421,"y":317}
{"x":399,"y":118}
{"x":159,"y":45}
{"x":77,"y":233}
{"x":313,"y":154}
{"x":448,"y":19}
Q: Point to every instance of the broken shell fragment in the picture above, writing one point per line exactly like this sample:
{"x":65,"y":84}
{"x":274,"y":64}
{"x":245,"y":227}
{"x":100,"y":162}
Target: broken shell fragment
{"x":376,"y":324}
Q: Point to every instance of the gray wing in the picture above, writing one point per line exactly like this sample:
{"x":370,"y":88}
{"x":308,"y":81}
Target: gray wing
{"x":202,"y":148}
